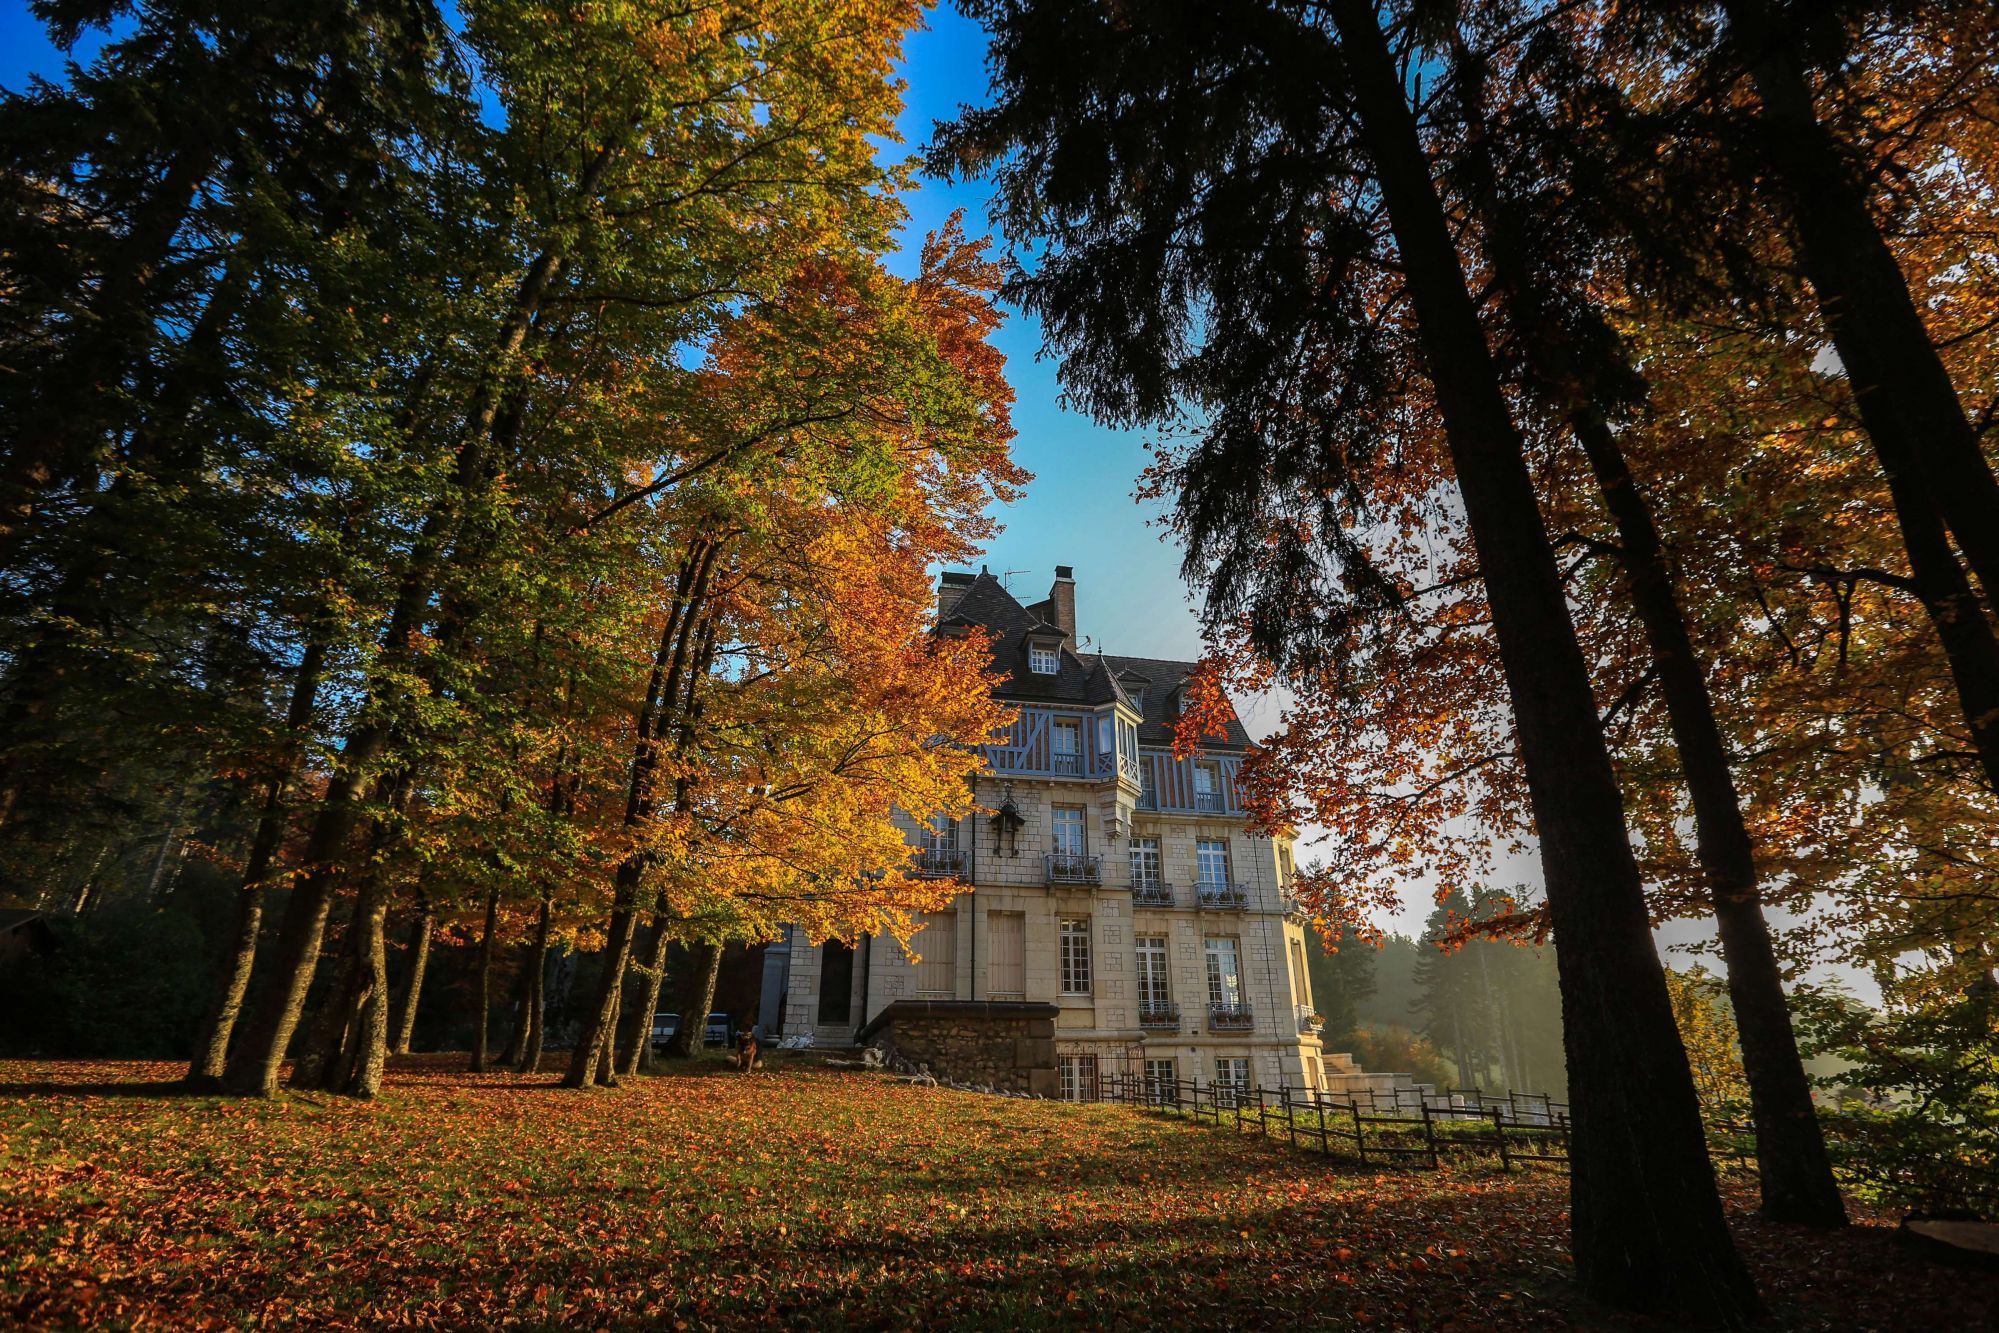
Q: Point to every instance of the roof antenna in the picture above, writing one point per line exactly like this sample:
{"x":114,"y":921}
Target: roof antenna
{"x":1006,"y":577}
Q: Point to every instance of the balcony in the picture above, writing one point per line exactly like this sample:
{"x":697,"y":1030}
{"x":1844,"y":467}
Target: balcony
{"x":1294,"y":907}
{"x":940,"y":862}
{"x":1230,"y":1018}
{"x":1164,"y":1015}
{"x":1074,"y":868}
{"x":1066,"y":765}
{"x":1151,"y":893}
{"x":1209,"y":801}
{"x":1222,"y":897}
{"x":1309,"y":1023}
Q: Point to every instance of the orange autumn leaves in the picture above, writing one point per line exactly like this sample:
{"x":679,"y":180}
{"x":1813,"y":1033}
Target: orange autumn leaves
{"x":801,"y":1199}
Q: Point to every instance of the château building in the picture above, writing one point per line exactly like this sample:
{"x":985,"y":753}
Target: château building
{"x":1122,"y":917}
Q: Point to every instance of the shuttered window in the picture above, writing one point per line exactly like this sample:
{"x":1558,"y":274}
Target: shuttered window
{"x":1006,"y":954}
{"x":937,"y":945}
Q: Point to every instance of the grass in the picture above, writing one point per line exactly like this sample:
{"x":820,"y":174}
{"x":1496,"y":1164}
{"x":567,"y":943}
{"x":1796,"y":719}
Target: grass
{"x":804,"y":1198}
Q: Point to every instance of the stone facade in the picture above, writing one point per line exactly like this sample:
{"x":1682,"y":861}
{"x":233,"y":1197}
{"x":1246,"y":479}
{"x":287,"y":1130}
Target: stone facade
{"x":1181,"y":952}
{"x":1009,"y":1046}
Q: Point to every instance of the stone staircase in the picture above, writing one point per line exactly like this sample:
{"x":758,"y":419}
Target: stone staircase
{"x":1346,"y":1081}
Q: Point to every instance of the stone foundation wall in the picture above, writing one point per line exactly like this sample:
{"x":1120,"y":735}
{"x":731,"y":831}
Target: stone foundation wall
{"x":996,"y":1043}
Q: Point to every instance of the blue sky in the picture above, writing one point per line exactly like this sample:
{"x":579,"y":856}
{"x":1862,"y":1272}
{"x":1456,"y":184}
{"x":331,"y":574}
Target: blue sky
{"x":1080,"y":509}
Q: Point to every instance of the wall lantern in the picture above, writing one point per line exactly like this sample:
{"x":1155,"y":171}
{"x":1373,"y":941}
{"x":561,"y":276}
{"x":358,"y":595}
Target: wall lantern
{"x":1007,"y":824}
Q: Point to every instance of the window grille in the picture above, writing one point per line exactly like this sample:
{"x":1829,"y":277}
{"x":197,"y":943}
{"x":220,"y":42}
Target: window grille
{"x":1079,"y":1077}
{"x":1075,"y":941}
{"x":1224,"y":972}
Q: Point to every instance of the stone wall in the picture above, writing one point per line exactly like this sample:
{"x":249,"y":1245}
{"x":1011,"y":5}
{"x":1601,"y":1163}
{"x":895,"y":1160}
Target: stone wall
{"x":1008,"y":1045}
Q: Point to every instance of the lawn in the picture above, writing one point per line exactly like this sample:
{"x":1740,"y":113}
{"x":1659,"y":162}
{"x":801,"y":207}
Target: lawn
{"x":804,"y":1197}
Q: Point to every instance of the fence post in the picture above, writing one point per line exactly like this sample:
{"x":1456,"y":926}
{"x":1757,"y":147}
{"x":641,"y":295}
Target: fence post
{"x":1429,"y":1134}
{"x":1359,"y":1142}
{"x":1499,"y":1129}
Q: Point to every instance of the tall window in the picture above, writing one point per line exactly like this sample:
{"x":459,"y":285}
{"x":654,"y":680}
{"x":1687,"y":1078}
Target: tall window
{"x":1232,"y":1073}
{"x":1301,"y":991}
{"x":940,"y":834}
{"x":1207,"y":786}
{"x":1075,"y":939}
{"x":1068,"y":826}
{"x":1211,"y":860}
{"x":1144,"y":862}
{"x":1043,"y":661}
{"x":1224,"y":972}
{"x":937,"y":945}
{"x":1153,"y":992}
{"x":1079,"y":1077}
{"x":1068,"y":736}
{"x":1006,"y":954}
{"x":1148,"y":793}
{"x":1162,"y":1078}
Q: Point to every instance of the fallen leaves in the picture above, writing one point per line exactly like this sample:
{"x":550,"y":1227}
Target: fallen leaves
{"x":715,"y":1201}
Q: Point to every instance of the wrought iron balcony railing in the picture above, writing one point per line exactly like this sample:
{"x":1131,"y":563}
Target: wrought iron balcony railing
{"x":1226,"y":897}
{"x":1069,"y":765}
{"x":940,"y":862}
{"x":1151,"y":893}
{"x":1074,"y":868}
{"x":1230,"y":1018}
{"x":1164,"y":1014}
{"x":1309,"y":1022}
{"x":1208,"y":800}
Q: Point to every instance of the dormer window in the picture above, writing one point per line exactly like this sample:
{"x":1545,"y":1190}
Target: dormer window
{"x":1043,"y":660}
{"x":1137,"y":696}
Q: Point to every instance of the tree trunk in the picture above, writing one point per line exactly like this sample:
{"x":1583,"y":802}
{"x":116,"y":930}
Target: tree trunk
{"x":1937,"y":478}
{"x":524,"y":984}
{"x":1900,"y":384}
{"x":639,"y":1057}
{"x":1646,"y":1221}
{"x":484,"y":990}
{"x":537,"y":1008}
{"x":232,"y":981}
{"x":670,"y":660}
{"x":413,"y":985}
{"x":697,"y":995}
{"x":368,"y":1037}
{"x":1792,"y":1166}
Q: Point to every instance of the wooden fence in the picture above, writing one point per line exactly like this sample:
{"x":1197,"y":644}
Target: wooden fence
{"x":1514,"y":1130}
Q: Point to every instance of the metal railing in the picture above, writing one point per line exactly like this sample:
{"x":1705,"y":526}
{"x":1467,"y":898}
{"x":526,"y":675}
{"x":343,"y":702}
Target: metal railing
{"x":1165,"y":1014}
{"x":940,"y":862}
{"x":1309,"y":1022}
{"x":1225,"y":897}
{"x":1335,"y":1126}
{"x":1209,"y":800}
{"x":1074,"y":868}
{"x":1230,"y":1018}
{"x":1070,"y":765}
{"x":1151,"y":893}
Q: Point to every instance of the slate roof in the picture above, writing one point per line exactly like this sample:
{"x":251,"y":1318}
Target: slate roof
{"x":1086,"y":680}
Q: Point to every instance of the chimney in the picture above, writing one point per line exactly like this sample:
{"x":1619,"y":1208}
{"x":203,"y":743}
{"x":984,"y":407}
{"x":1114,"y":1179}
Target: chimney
{"x":1062,"y":600}
{"x":951,"y":588}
